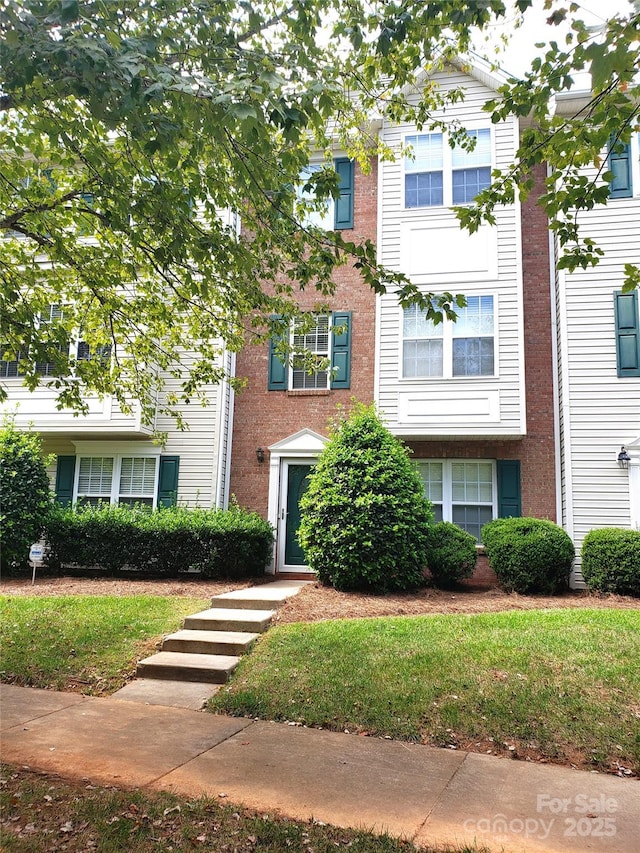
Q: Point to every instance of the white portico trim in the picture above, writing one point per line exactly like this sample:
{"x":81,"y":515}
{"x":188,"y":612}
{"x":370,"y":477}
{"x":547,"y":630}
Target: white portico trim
{"x":303,"y":447}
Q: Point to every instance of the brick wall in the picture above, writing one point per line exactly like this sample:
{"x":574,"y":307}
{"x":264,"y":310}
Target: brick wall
{"x":264,"y":417}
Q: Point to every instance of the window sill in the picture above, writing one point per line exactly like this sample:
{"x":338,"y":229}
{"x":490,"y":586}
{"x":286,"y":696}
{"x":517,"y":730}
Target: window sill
{"x":309,"y":392}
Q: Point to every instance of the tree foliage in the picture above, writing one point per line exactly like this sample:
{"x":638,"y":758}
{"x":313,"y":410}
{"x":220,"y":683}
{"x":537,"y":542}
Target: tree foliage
{"x":365,"y":519}
{"x":134,"y":134}
{"x":26,"y":493}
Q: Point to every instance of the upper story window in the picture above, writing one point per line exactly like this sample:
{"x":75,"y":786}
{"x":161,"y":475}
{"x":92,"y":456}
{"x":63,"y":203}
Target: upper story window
{"x":437,"y":175}
{"x":78,"y":349}
{"x":328,"y":341}
{"x":10,"y":368}
{"x":332,"y":214}
{"x":463,"y":348}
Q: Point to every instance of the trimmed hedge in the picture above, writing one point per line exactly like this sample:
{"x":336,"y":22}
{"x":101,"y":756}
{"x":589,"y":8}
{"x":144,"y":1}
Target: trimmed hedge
{"x":451,"y":554}
{"x":528,"y":555}
{"x":611,"y":560}
{"x":164,"y":543}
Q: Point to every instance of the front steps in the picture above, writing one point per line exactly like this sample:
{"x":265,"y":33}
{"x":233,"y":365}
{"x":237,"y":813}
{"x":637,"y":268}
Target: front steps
{"x":207,"y":649}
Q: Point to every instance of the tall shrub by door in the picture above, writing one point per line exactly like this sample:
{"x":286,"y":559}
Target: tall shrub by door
{"x":365,"y":520}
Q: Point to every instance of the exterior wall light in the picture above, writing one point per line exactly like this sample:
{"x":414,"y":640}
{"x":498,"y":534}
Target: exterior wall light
{"x":260,"y":454}
{"x":623,"y":458}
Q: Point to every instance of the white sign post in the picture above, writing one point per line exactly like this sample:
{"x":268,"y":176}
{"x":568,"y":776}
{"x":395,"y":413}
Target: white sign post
{"x":36,"y":558}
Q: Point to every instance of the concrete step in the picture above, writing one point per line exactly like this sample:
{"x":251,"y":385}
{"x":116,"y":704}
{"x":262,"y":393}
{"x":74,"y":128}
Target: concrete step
{"x":179,"y":666}
{"x":223,"y":619}
{"x":264,"y":597}
{"x":209,"y":642}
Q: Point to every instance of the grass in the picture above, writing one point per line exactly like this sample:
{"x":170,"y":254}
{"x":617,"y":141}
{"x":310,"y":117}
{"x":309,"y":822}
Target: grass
{"x":86,"y":643}
{"x":45,"y":815}
{"x":558,"y":685}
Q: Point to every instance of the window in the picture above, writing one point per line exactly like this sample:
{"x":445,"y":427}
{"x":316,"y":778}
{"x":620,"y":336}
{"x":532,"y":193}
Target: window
{"x":471,"y":170}
{"x":437,"y":174}
{"x":117,"y":479}
{"x":462,"y":348}
{"x":627,"y":332}
{"x":49,"y":317}
{"x":329,"y":338}
{"x":423,"y":183}
{"x":314,"y":341}
{"x":463,"y":492}
{"x":334,"y":214}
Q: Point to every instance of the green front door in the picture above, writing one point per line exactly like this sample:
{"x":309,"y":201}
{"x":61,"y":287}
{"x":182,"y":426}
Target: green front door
{"x":297,"y":483}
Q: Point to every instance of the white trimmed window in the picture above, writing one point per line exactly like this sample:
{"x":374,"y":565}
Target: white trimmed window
{"x":436,"y":174}
{"x":461,"y":491}
{"x":316,"y":342}
{"x":463,"y":348}
{"x":117,"y":480}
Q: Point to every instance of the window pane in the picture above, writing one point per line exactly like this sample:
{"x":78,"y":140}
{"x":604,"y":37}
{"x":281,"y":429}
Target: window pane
{"x":467,"y":183}
{"x":471,"y":169}
{"x":416,"y":325}
{"x":472,"y":518}
{"x":427,"y":152}
{"x":323,"y":216}
{"x":475,"y":318}
{"x":472,"y":481}
{"x":95,"y":476}
{"x":431,"y":475}
{"x":301,"y":380}
{"x":423,"y":190}
{"x":137,"y":476}
{"x":422,"y":358}
{"x":481,"y":154}
{"x":473,"y":357}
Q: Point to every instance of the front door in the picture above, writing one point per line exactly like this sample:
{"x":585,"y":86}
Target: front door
{"x":294,"y":484}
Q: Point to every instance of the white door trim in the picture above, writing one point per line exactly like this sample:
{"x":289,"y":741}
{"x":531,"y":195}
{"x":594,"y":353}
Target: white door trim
{"x":302,"y":447}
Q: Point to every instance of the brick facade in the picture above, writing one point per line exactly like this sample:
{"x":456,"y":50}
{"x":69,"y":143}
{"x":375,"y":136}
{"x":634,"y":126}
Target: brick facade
{"x":263,"y":417}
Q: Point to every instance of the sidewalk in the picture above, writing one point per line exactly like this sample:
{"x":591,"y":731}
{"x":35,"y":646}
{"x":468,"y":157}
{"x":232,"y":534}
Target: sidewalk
{"x":431,"y":796}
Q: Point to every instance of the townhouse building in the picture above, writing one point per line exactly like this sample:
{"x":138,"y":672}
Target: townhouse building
{"x":520,"y":407}
{"x":597,"y":332}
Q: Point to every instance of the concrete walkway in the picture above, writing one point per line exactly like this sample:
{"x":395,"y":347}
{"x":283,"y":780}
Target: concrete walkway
{"x":431,"y":796}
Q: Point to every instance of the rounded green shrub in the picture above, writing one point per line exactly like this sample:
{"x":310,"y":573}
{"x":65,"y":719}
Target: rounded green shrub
{"x":528,"y":555}
{"x":365,"y":519}
{"x":451,"y":554}
{"x":25,"y":491}
{"x":611,"y":560}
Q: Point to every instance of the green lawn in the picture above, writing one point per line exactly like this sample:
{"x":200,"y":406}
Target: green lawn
{"x":84,"y":642}
{"x":560,"y":684}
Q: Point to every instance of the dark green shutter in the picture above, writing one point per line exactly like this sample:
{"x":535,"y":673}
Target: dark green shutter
{"x":341,"y":350}
{"x":620,"y":165}
{"x":277,"y":368}
{"x":627,"y":333}
{"x":168,"y":480}
{"x":509,"y":494}
{"x":344,"y":205}
{"x":65,"y":476}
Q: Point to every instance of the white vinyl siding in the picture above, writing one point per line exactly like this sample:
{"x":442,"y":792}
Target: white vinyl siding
{"x":427,"y":244}
{"x":599,"y":411}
